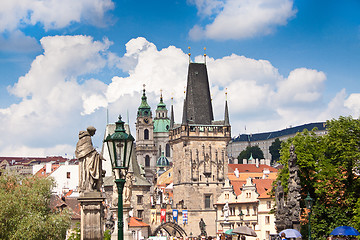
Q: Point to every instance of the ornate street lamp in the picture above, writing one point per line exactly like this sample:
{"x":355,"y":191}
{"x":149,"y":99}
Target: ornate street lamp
{"x":241,"y":215}
{"x":120,"y":146}
{"x":309,"y":203}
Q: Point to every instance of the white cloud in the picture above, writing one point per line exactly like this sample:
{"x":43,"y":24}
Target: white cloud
{"x":353,"y":103}
{"x":302,"y":86}
{"x":239,"y":19}
{"x":58,"y":99}
{"x":54,"y":92}
{"x":51,"y":14}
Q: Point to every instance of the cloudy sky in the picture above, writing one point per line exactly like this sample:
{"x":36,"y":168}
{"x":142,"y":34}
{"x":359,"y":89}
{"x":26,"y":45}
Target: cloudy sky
{"x":64,"y":64}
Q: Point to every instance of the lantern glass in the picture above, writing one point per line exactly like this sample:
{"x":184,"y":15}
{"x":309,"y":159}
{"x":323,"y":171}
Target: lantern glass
{"x":120,"y":147}
{"x":308,"y":201}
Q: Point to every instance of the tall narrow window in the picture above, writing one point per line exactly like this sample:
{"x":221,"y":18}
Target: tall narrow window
{"x":207,"y":201}
{"x":167,"y":148}
{"x":267,"y":220}
{"x":146,"y":134}
{"x":147,"y":161}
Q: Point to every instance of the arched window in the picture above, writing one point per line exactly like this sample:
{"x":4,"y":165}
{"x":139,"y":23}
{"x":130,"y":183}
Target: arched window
{"x":146,"y":134}
{"x":167,"y":150}
{"x":147,"y":161}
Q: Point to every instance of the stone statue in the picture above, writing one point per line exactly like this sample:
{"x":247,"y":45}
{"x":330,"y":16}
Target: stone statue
{"x":90,"y":165}
{"x":226,"y":211}
{"x":288,"y":211}
{"x":114,"y":200}
{"x":202,"y":227}
{"x":127,"y":189}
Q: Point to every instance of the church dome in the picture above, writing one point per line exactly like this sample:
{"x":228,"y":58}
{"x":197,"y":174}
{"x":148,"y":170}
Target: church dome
{"x":161,"y":125}
{"x":162,"y":161}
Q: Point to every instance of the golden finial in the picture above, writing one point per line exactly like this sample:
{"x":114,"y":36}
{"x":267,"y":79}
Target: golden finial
{"x":226,"y":94}
{"x":205,"y":55}
{"x":161,"y":92}
{"x":189,"y":54}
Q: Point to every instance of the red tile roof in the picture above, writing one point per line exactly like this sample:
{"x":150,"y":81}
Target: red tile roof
{"x":74,"y":205}
{"x":137,"y":222}
{"x":263,"y":186}
{"x":42,"y":171}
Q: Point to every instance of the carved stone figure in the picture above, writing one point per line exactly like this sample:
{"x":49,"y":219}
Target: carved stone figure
{"x":202,"y":227}
{"x":127,"y":189}
{"x":114,"y":200}
{"x":90,"y":165}
{"x":226,"y":211}
{"x":288,"y":212}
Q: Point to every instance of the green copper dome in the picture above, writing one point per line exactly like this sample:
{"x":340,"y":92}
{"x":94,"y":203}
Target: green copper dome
{"x":144,"y":109}
{"x":162,"y":161}
{"x":161,"y":105}
{"x":161,"y":125}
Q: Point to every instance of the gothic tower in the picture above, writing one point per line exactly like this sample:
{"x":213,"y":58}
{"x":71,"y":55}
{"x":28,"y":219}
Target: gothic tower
{"x":199,"y":153}
{"x":146,"y":151}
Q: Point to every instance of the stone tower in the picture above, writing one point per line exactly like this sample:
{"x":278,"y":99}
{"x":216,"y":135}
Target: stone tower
{"x":161,"y":130}
{"x":199,"y":153}
{"x":146,"y":151}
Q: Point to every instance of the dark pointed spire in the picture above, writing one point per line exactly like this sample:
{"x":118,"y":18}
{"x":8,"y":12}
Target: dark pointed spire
{"x":226,"y":117}
{"x":198,"y":109}
{"x":172,"y":115}
{"x":185,"y":117}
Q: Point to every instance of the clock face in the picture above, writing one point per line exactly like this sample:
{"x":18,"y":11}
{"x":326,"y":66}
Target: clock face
{"x":146,"y":120}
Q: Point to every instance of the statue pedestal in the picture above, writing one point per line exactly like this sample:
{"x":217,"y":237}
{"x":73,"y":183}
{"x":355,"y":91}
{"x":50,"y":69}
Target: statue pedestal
{"x":127,"y":233}
{"x":92,"y":226}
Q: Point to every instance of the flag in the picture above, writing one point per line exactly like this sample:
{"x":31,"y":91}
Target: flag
{"x":163,"y":215}
{"x":175,"y":215}
{"x":153,"y":216}
{"x":185,"y":216}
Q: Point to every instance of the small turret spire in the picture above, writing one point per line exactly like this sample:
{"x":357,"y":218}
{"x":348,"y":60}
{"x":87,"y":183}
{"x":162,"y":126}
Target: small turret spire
{"x":185,"y":117}
{"x":172,"y":114}
{"x":226,"y":117}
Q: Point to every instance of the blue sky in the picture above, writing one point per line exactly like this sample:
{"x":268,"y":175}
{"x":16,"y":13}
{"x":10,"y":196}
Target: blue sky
{"x":64,"y":63}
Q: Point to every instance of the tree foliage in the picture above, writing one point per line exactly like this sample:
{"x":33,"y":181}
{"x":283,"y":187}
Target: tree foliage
{"x":255,"y":151}
{"x":25,"y":212}
{"x":274,"y":150}
{"x":329,"y":171}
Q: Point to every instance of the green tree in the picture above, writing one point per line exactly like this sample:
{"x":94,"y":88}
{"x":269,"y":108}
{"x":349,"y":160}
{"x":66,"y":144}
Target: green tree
{"x":274,"y":150}
{"x":25,"y":212}
{"x":255,"y":151}
{"x":329,"y":171}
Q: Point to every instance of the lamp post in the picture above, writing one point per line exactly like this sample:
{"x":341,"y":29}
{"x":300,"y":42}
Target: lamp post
{"x":241,"y":215}
{"x":120,"y":147}
{"x":309,"y":203}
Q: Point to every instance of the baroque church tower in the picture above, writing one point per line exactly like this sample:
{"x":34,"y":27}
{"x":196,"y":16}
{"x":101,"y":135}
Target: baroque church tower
{"x":146,"y":151}
{"x":199,"y":152}
{"x":161,"y":130}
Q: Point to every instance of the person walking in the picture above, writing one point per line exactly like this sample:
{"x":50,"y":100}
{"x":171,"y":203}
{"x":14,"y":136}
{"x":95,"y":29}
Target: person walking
{"x":283,"y":236}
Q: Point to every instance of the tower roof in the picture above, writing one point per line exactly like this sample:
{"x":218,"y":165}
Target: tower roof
{"x":161,"y":125}
{"x":144,"y":109}
{"x":198,"y":108}
{"x":161,"y":105}
{"x":162,"y":161}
